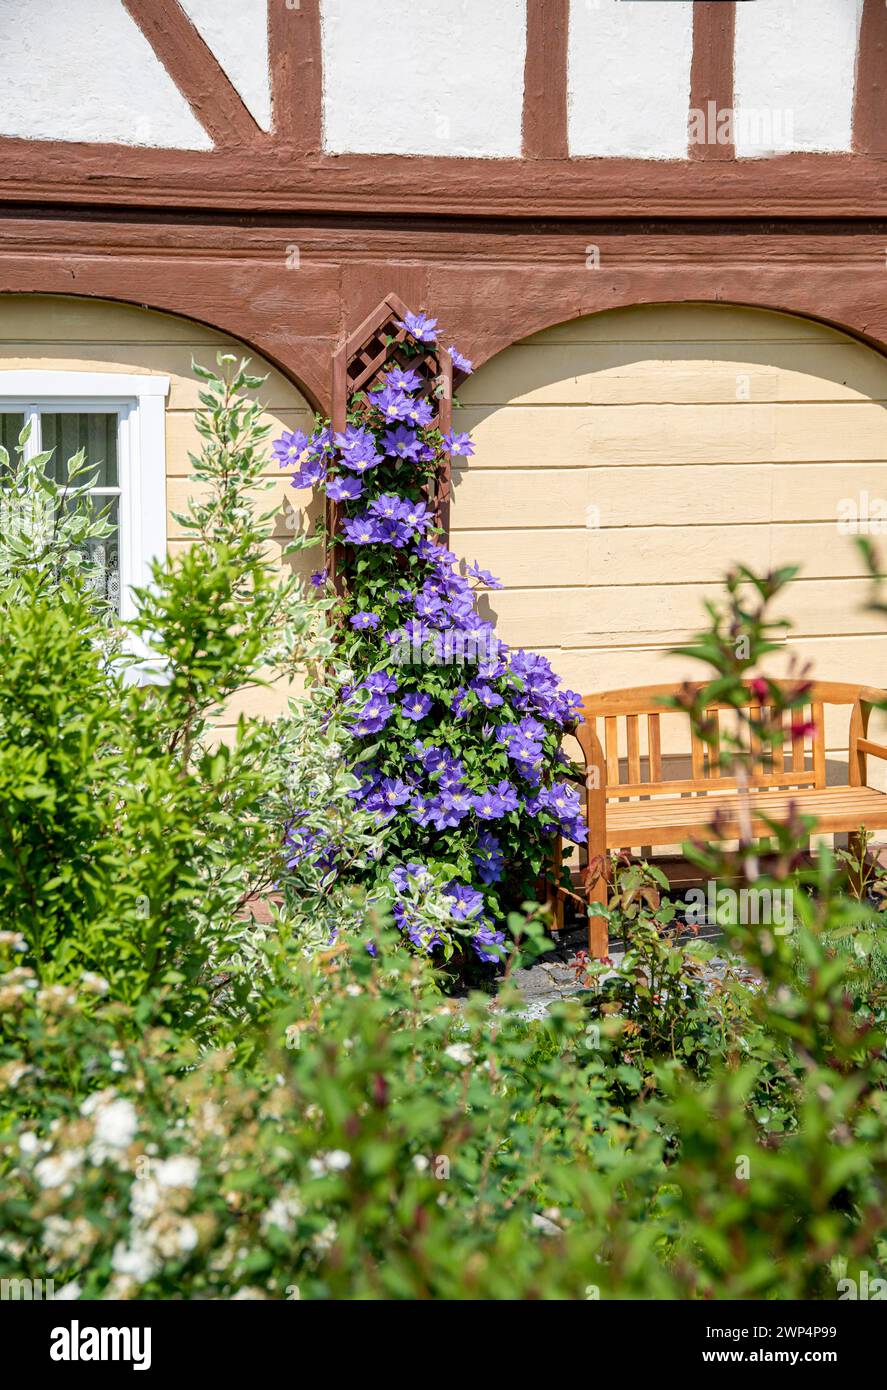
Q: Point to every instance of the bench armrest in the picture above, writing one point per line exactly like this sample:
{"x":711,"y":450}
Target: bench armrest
{"x":873,"y":750}
{"x":861,"y":745}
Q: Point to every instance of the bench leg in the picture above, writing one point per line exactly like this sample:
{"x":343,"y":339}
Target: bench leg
{"x":554,"y":898}
{"x":597,"y":871}
{"x":598,"y":927}
{"x":596,"y":881}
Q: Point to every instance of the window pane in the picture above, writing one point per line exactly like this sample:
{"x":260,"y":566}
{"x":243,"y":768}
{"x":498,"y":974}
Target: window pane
{"x":104,"y":554}
{"x":11,"y":427}
{"x":96,"y":433}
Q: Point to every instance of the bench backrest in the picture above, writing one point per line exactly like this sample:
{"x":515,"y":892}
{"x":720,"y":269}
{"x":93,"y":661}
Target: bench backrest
{"x":621,"y":734}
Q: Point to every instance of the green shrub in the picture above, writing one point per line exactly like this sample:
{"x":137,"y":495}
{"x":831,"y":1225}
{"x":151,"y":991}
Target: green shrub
{"x":132,"y":841}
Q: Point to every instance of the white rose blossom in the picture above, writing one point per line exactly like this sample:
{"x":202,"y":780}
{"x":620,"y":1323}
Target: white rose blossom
{"x":333,"y":1161}
{"x":179,"y":1171}
{"x":57,"y":1169}
{"x":116,"y":1124}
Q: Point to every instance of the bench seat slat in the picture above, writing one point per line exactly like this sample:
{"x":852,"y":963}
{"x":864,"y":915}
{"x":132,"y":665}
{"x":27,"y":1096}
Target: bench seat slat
{"x":705,"y":788}
{"x":669,"y":819}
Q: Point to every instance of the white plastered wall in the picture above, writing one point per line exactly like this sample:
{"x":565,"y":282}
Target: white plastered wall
{"x":628,"y":84}
{"x":794,"y":73}
{"x":83,"y":70}
{"x":425,"y":77}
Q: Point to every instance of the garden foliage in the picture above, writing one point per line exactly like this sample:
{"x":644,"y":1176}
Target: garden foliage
{"x":131,"y":841}
{"x":199,"y":1107}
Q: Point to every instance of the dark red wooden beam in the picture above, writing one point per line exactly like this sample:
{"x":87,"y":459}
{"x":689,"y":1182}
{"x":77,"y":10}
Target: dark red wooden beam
{"x":711,"y":76}
{"x":196,"y":72}
{"x":296,"y":62}
{"x":545,"y":80}
{"x":870,"y":101}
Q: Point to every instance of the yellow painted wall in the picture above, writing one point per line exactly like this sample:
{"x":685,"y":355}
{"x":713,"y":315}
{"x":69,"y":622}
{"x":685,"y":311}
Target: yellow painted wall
{"x":69,"y":334}
{"x":702,"y":435}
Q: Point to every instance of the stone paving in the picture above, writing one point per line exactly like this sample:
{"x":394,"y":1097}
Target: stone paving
{"x":554,"y":977}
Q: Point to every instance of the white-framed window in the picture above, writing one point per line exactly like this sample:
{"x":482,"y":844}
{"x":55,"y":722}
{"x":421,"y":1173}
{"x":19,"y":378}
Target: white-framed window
{"x":119,"y":420}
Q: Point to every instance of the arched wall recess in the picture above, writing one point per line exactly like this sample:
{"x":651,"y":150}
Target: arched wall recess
{"x":625,"y":460}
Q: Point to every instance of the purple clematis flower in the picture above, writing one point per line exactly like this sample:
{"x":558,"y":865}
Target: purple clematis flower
{"x":312,"y":471}
{"x":290,"y":447}
{"x":393,"y":404}
{"x":458,"y":799}
{"x":487,"y":696}
{"x":523,"y":750}
{"x":435,"y":554}
{"x":419,"y":412}
{"x":459,"y":702}
{"x":419,"y":326}
{"x":416,"y":516}
{"x":323,"y":441}
{"x":466,"y":902}
{"x":402,"y":443}
{"x":531,"y":728}
{"x":364,"y":620}
{"x":361,"y":530}
{"x":344,"y":489}
{"x":483,"y":576}
{"x":487,"y":943}
{"x":360,"y":460}
{"x":380,"y":683}
{"x":433,"y":759}
{"x":358,"y":449}
{"x":416,"y":706}
{"x":404,"y":380}
{"x":394,"y":791}
{"x":458,"y":444}
{"x":319,"y":578}
{"x":373,"y":717}
{"x":450,"y":770}
{"x":407,"y":876}
{"x":423,"y":937}
{"x":488,"y":806}
{"x":445,"y":816}
{"x":426,"y":605}
{"x":420,"y":810}
{"x":507,"y":795}
{"x":489,"y":858}
{"x":491,"y":670}
{"x":388,"y":507}
{"x":460,"y":363}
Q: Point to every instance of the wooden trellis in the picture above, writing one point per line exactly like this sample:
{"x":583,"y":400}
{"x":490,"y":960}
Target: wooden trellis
{"x":361,"y":364}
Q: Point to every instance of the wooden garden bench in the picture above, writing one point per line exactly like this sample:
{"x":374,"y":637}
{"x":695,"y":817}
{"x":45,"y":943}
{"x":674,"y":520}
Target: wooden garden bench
{"x":633,"y":803}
